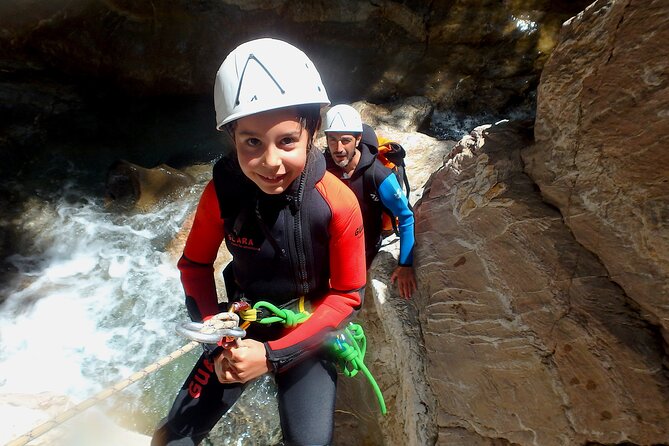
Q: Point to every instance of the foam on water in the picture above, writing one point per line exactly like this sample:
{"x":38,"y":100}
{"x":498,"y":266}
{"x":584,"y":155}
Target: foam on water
{"x":98,"y":297}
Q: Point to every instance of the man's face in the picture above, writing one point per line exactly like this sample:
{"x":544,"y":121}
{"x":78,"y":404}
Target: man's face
{"x":342,"y":147}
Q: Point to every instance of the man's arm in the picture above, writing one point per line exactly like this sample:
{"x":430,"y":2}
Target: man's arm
{"x":391,"y":195}
{"x":393,"y":198}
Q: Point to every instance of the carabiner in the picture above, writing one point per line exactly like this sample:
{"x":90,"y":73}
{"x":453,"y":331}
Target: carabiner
{"x":206,"y":334}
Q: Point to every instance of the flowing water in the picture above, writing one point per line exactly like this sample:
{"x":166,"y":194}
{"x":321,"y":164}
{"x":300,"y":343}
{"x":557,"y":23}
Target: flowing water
{"x":95,"y":297}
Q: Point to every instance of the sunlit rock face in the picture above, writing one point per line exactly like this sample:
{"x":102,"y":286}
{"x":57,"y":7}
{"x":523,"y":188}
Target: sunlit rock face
{"x":601,"y":144}
{"x":527,"y":339}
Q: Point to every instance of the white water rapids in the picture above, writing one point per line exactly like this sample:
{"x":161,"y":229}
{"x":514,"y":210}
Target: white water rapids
{"x":96,"y":298}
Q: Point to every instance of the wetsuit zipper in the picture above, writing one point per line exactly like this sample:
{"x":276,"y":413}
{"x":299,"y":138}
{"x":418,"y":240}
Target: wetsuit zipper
{"x":301,"y":273}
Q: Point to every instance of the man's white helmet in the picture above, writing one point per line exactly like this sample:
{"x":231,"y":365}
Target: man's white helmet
{"x":343,"y":118}
{"x":265,"y":74}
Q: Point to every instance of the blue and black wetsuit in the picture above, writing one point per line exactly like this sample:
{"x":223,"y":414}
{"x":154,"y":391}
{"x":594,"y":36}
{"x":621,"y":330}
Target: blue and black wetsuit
{"x":377,"y":190}
{"x":302,"y":242}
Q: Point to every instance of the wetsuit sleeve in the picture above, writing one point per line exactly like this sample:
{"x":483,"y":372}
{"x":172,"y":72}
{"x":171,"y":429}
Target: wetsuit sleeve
{"x":395,"y":201}
{"x":347,"y":278}
{"x":197,"y":262}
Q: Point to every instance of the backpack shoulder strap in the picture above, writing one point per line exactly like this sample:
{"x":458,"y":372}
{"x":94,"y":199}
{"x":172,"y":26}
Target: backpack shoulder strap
{"x":405,"y":180}
{"x":368,"y":178}
{"x":369,"y":138}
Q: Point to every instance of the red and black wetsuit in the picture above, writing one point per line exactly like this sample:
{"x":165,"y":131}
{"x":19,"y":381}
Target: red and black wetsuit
{"x":307,"y":242}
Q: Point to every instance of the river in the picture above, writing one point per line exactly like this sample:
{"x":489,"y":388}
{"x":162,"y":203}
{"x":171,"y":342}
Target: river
{"x":96,"y":296}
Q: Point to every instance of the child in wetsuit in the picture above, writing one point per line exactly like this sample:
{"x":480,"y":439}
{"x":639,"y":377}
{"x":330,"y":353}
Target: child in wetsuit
{"x":293,"y":230}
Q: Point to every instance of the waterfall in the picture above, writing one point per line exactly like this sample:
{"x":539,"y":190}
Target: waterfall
{"x":94,"y":297}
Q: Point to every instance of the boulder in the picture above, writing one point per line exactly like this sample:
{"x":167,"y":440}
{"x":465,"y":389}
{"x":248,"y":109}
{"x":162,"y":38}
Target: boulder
{"x":133,"y":187}
{"x":517,"y":335}
{"x":600,"y":154}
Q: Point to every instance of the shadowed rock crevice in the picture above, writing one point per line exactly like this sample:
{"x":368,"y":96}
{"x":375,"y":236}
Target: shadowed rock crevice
{"x":477,"y":56}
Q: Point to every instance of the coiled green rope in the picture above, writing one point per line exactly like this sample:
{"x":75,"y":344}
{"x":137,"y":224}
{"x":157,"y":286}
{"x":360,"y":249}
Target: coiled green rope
{"x":287,"y":317}
{"x":349,"y":347}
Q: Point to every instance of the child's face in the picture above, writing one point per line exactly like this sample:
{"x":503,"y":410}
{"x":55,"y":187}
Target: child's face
{"x":271,"y":148}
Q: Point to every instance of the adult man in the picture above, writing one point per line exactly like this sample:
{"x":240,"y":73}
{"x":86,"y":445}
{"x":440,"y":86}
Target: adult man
{"x":352,"y":148}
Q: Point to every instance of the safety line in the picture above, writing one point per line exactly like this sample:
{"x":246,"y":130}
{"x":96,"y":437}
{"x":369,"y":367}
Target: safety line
{"x":82,"y":406}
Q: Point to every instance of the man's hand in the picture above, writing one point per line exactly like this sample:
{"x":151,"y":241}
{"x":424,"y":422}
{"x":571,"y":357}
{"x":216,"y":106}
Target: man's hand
{"x":406,"y":280}
{"x":243,"y":362}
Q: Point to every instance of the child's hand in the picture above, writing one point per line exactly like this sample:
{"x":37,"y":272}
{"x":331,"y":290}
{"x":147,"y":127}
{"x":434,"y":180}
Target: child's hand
{"x":243,"y":362}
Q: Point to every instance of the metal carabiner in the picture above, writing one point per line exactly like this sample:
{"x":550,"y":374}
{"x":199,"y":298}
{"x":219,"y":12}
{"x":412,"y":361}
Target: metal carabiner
{"x":206,"y":334}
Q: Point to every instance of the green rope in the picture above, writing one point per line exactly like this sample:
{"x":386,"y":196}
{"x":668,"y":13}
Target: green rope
{"x":349,"y":347}
{"x":283,"y":315}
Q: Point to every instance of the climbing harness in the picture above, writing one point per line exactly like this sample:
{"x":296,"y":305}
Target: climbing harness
{"x":349,"y":345}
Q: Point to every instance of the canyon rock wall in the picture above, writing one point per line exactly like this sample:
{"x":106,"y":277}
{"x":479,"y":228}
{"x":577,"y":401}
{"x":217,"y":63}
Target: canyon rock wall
{"x":456,"y":52}
{"x":601,"y":144}
{"x":541,"y":317}
{"x":527,"y":338}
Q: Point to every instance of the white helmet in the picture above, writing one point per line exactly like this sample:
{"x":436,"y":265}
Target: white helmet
{"x":343,"y":118}
{"x":265,"y":74}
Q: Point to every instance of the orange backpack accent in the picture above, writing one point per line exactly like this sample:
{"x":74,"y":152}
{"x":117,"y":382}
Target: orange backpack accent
{"x":389,"y":150}
{"x":392,"y":154}
{"x":387,"y":224}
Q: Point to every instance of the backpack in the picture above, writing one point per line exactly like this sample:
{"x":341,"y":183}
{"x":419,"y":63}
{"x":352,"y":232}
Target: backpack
{"x":392,"y":154}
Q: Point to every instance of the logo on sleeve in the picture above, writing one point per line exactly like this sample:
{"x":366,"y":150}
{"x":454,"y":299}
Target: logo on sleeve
{"x":359,"y":230}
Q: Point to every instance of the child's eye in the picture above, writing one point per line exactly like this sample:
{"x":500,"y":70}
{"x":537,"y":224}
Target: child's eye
{"x":253,"y":142}
{"x":288,"y":141}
